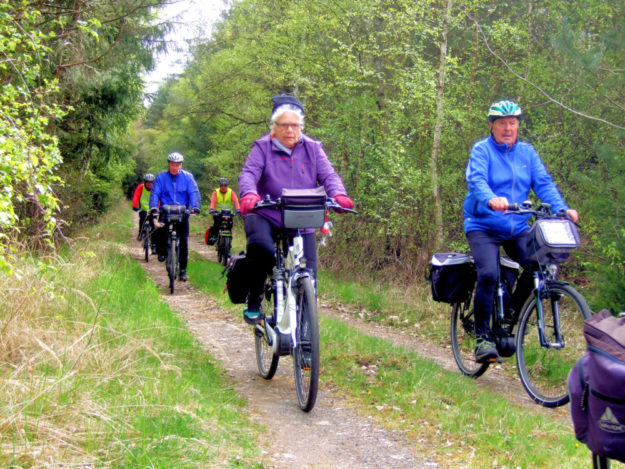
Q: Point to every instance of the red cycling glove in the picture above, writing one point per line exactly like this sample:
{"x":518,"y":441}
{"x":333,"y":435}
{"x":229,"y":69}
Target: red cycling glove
{"x":344,"y":201}
{"x":248,"y":201}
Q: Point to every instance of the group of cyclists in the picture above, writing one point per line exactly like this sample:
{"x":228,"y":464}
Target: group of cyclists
{"x":501,"y":171}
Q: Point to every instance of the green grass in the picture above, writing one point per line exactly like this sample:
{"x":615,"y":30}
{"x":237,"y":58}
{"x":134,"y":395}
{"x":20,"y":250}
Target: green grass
{"x":451,"y":418}
{"x":108,"y":375}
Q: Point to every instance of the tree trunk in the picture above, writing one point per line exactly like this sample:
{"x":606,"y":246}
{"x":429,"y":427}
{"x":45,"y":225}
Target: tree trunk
{"x":436,"y":196}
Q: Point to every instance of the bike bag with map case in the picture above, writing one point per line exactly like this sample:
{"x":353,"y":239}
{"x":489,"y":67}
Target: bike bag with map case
{"x":303,"y":208}
{"x":551,"y":240}
{"x":452,"y":275}
{"x":597,"y":387}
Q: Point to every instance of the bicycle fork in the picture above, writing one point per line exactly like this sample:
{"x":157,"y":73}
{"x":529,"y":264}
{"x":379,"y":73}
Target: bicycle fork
{"x":555,"y":311}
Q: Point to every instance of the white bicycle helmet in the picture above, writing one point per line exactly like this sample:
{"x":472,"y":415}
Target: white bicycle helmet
{"x":175,"y":157}
{"x":149,"y":177}
{"x":504,"y":109}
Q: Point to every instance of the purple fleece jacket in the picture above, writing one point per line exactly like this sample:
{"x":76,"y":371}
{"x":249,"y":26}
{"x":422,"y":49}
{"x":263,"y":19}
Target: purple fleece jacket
{"x":269,"y":169}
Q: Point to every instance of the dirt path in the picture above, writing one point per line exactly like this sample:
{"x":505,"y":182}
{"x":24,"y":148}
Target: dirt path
{"x":335,"y":436}
{"x":331,"y":436}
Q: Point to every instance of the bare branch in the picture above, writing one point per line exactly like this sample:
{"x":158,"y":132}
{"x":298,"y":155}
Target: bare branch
{"x":553,"y":100}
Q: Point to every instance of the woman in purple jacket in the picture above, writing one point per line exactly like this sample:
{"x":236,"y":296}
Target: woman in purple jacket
{"x":285,"y":158}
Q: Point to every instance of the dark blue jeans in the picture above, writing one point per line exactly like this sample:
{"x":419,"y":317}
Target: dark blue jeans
{"x":261,"y":253}
{"x":485,"y":249}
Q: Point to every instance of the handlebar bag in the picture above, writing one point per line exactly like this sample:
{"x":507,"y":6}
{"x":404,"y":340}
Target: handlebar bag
{"x":452,"y":276}
{"x":551,"y":240}
{"x":174,"y":212}
{"x":597,"y":387}
{"x":303,"y":208}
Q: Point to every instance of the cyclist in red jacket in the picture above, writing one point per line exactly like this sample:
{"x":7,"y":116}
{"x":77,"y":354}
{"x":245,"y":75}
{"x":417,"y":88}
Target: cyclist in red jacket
{"x":141,"y":199}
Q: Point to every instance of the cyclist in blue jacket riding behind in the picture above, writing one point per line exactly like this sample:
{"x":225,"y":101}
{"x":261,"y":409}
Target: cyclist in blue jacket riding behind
{"x":175,"y":187}
{"x":501,"y":171}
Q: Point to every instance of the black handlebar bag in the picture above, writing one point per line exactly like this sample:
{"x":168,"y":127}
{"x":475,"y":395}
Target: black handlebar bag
{"x":303,"y":208}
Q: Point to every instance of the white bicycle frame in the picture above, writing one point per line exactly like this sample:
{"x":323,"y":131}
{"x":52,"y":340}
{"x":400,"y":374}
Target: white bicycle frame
{"x":286,"y":308}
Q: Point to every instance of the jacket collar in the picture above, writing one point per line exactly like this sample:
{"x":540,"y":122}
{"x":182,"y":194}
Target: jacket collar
{"x":502,"y":147}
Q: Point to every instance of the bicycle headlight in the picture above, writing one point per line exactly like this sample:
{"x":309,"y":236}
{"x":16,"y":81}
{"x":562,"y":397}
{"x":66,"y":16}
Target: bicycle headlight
{"x":552,"y":269}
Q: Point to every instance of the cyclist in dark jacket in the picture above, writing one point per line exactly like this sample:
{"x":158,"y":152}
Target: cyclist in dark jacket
{"x":175,"y":187}
{"x":285,"y":158}
{"x":502,"y":169}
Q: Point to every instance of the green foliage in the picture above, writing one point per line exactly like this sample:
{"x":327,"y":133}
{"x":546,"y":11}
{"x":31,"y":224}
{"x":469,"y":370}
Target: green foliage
{"x":28,"y":153}
{"x":367,"y":74}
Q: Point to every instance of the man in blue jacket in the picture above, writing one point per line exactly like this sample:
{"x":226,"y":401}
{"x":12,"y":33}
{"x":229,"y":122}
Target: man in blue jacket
{"x":175,"y":187}
{"x":501,"y":171}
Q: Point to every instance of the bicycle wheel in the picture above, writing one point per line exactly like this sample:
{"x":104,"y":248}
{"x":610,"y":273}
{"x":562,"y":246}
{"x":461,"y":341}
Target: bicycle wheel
{"x":306,"y":353}
{"x":226,"y":250}
{"x":146,"y":246}
{"x":544,"y":370}
{"x":220,"y":250}
{"x":463,"y":340}
{"x":171,"y":265}
{"x":265,"y":359}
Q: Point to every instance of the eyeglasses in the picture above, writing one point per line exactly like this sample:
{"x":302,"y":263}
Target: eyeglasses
{"x":287,"y":126}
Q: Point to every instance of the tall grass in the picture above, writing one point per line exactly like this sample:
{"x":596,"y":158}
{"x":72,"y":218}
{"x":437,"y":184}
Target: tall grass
{"x":97,"y":371}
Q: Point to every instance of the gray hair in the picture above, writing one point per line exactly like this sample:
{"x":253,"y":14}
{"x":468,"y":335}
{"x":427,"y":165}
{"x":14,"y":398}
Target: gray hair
{"x":287,"y":108}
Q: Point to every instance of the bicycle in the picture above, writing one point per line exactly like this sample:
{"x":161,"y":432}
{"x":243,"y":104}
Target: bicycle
{"x":548,"y":338}
{"x":224,"y":239}
{"x":145,"y":235}
{"x":173,"y":214}
{"x":288,"y":321}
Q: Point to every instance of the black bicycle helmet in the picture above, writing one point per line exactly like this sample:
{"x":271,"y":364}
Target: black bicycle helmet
{"x":223,"y":181}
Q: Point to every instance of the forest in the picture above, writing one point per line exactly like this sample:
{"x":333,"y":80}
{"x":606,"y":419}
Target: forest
{"x":396,"y":90}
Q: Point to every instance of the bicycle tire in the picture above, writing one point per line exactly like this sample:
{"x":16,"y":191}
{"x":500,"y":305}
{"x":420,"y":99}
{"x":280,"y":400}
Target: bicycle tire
{"x":171,"y":265}
{"x":226,"y":250}
{"x":220,"y":243}
{"x":306,"y":352}
{"x":146,"y":247}
{"x":463,"y":340}
{"x":544,"y":370}
{"x":266,"y":360}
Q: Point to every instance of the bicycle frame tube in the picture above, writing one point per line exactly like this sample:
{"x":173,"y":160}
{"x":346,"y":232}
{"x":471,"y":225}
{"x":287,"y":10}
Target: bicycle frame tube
{"x":539,"y":286}
{"x":286,"y":308}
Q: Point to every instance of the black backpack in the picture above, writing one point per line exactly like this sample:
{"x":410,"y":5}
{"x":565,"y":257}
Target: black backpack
{"x":237,"y":273}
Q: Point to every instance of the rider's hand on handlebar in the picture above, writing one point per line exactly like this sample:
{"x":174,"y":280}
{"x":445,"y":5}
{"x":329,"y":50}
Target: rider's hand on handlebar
{"x":154,"y":211}
{"x":211,"y":211}
{"x":237,"y":212}
{"x":249,"y":201}
{"x":573,"y":214}
{"x":499,"y":204}
{"x":195,"y":211}
{"x":344,"y":201}
{"x":136,"y":209}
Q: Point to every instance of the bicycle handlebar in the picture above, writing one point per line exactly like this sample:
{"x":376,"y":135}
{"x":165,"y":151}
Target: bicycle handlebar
{"x":330,"y":203}
{"x":543,"y":210}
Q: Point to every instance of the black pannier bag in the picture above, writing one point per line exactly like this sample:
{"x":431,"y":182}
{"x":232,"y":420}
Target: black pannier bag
{"x":551,"y":240}
{"x":303,"y":208}
{"x":237,"y":274}
{"x":452,"y":275}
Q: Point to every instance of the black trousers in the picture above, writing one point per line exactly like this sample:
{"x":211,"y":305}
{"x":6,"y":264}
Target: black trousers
{"x":261,"y":253}
{"x":485,"y":250}
{"x":159,"y":238}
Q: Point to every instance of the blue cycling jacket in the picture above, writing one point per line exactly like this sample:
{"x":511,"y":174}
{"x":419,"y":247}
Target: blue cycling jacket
{"x":175,"y":190}
{"x":500,"y":170}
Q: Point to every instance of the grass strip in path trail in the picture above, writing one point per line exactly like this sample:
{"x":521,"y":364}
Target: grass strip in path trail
{"x":448,"y":416}
{"x":97,"y":371}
